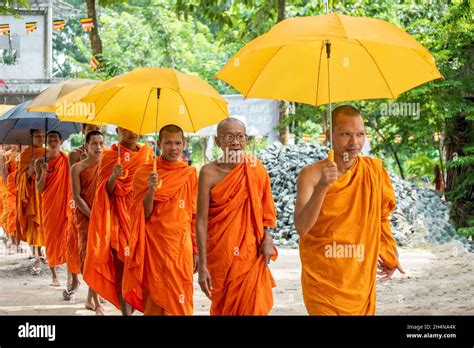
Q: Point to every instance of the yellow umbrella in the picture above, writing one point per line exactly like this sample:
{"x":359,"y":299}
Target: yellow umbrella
{"x":147,"y":99}
{"x":69,"y":107}
{"x":330,"y":58}
{"x":48,"y":98}
{"x":5,"y":107}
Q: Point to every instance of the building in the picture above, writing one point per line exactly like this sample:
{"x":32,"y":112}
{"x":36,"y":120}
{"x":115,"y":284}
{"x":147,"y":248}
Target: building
{"x":26,"y":58}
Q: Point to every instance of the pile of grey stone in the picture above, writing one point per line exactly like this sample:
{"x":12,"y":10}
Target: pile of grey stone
{"x":421,"y":216}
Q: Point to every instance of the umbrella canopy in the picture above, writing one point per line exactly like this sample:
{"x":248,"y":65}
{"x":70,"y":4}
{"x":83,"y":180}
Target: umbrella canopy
{"x":16,"y":123}
{"x":146,"y":99}
{"x":46,"y":99}
{"x":4,"y":108}
{"x":69,"y":107}
{"x":369,"y":59}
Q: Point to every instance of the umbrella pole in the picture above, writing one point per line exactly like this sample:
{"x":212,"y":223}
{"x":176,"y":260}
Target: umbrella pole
{"x":158,"y":92}
{"x":45,"y":136}
{"x":331,"y":151}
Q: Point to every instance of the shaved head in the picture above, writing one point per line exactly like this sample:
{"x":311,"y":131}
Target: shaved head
{"x":345,"y":110}
{"x":231,"y":121}
{"x":170,"y":128}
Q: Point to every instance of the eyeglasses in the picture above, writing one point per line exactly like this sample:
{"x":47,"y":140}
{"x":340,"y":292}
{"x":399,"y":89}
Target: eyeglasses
{"x":229,"y":137}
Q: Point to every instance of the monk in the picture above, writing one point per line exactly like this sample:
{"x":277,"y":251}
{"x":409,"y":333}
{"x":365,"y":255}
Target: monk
{"x":28,"y":199}
{"x":342,"y":216}
{"x":109,"y":225}
{"x":235,"y":208}
{"x":72,"y":249}
{"x":163,"y":253}
{"x":84,"y":179}
{"x":52,"y":180}
{"x":8,"y":174}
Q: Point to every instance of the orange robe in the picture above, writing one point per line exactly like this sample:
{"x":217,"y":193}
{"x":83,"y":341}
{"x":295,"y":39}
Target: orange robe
{"x":339,"y":254}
{"x":109,"y":225}
{"x":241,"y":205}
{"x":161,"y":246}
{"x":28,"y":200}
{"x":11,"y":194}
{"x":88,"y":178}
{"x":55,"y":209}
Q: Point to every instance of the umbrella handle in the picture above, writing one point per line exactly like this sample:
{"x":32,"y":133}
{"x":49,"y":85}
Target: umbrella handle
{"x":160,"y":182}
{"x":331,"y":155}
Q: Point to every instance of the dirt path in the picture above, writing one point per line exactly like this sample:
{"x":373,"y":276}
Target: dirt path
{"x":438,"y":280}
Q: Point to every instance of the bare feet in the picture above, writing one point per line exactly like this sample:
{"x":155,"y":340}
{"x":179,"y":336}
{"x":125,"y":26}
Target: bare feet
{"x":99,"y":310}
{"x":90,"y":306}
{"x":55,"y":282}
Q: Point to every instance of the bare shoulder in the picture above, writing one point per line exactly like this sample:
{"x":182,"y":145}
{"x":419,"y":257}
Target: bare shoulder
{"x":311,"y":172}
{"x":208,"y":171}
{"x":210,"y":175}
{"x":78,"y":167}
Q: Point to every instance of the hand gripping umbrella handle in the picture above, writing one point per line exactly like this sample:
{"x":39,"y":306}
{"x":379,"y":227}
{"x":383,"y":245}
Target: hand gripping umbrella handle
{"x":125,"y":172}
{"x":346,"y":177}
{"x":160,"y":182}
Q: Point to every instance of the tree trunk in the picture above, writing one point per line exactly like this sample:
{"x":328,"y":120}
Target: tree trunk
{"x":94,"y":37}
{"x":283,"y":131}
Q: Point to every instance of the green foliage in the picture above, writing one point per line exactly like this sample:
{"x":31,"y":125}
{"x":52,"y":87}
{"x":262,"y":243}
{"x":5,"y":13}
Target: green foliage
{"x":199,"y":36}
{"x":10,"y":7}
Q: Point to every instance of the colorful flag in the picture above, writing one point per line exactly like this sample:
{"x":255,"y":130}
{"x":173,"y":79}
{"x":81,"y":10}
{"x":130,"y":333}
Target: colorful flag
{"x":4,"y":29}
{"x":31,"y":27}
{"x":87,"y":24}
{"x":58,"y":25}
{"x":94,"y":63}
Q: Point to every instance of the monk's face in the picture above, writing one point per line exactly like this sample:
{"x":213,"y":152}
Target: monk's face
{"x":232,"y":137}
{"x":348,"y":136}
{"x":95,"y":146}
{"x":54,"y":142}
{"x":171,"y":145}
{"x":38,"y":138}
{"x":89,"y":128}
{"x":126,"y":136}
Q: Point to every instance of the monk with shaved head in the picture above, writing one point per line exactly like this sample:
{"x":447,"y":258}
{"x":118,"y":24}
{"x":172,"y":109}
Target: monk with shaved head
{"x":342,"y":216}
{"x":235,"y":208}
{"x":109,"y":223}
{"x":163,"y":253}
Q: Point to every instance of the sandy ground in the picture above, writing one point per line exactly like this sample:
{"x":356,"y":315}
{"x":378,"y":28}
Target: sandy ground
{"x":438,"y":281}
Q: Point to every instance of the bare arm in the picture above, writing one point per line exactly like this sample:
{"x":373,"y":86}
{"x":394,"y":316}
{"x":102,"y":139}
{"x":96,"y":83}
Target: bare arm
{"x":204,"y":188}
{"x":41,"y":170}
{"x":76,"y":190}
{"x":4,"y":169}
{"x":312,"y":186}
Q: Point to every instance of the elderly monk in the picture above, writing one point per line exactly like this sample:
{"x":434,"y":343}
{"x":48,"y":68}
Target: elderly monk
{"x":52,"y":180}
{"x":84,"y":179}
{"x":72,"y":249}
{"x":163,"y":255}
{"x":342,"y":216}
{"x":28,"y":199}
{"x":109,"y":225}
{"x":235,"y":208}
{"x":8,"y":174}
